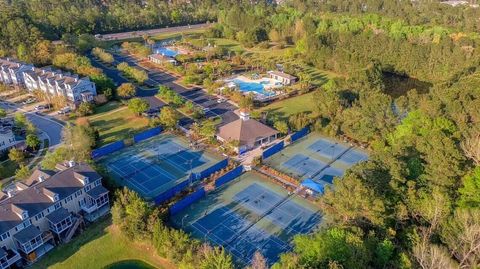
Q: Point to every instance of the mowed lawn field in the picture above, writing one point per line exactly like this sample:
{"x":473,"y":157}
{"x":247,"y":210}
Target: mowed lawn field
{"x":99,"y":246}
{"x":287,"y":107}
{"x":117,"y":124}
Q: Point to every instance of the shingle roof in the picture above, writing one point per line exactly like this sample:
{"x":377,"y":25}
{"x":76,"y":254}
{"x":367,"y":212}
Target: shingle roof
{"x":36,"y":198}
{"x":58,"y":215}
{"x":27,"y":234}
{"x":97,"y":191}
{"x":282,"y":74}
{"x":245,"y":131}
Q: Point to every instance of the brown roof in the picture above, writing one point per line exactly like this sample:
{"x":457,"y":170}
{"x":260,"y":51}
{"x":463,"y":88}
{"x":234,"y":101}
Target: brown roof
{"x":245,"y":131}
{"x":282,"y":74}
{"x":38,"y":197}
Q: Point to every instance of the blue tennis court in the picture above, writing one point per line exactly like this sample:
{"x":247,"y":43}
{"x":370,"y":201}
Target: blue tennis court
{"x":316,"y":157}
{"x":248,"y":215}
{"x":154,"y":165}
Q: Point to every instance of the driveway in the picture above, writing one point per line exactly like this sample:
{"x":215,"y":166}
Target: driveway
{"x":46,"y":124}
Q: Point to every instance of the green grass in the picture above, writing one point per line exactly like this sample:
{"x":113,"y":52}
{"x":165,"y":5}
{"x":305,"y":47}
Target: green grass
{"x":177,"y":34}
{"x":7,"y":169}
{"x":106,"y":107}
{"x":284,"y":108}
{"x":99,"y":246}
{"x":117,"y":125}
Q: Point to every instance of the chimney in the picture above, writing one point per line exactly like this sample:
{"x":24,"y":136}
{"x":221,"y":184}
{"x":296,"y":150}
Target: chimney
{"x":244,"y":115}
{"x":10,"y":193}
{"x":41,"y":179}
{"x":71,"y":163}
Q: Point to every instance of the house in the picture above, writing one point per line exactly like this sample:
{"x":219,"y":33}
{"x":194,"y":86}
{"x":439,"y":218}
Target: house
{"x":52,"y":82}
{"x":46,"y":209}
{"x":161,"y":59}
{"x":246,"y":133}
{"x":284,"y":78}
{"x":7,"y":138}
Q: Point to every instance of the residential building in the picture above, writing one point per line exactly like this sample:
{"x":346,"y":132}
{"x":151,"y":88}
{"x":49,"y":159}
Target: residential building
{"x":161,"y":59}
{"x":51,"y":82}
{"x":7,"y":137}
{"x":284,"y":78}
{"x":48,"y":208}
{"x":246,"y":134}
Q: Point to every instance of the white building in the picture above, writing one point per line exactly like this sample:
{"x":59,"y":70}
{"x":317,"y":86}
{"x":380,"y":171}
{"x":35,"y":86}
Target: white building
{"x":284,"y":78}
{"x":52,"y":82}
{"x":48,"y":208}
{"x":7,"y":138}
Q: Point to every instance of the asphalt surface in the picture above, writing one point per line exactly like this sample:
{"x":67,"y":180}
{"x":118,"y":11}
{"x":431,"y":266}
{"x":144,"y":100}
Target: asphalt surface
{"x":156,"y":77}
{"x":48,"y":126}
{"x":132,"y":34}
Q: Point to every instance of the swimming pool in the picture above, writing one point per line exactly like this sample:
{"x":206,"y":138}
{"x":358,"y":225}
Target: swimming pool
{"x":166,"y":51}
{"x":256,"y":87}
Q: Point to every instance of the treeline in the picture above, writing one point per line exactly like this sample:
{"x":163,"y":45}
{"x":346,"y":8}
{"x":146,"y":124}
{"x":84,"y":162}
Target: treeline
{"x":136,"y":74}
{"x":101,"y":54}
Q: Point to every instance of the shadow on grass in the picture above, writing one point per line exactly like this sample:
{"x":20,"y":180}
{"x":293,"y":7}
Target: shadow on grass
{"x":63,"y":252}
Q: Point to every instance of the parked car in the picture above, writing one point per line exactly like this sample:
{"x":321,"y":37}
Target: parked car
{"x":206,"y":109}
{"x":29,"y":101}
{"x":65,"y":110}
{"x":42,"y":107}
{"x":221,"y":100}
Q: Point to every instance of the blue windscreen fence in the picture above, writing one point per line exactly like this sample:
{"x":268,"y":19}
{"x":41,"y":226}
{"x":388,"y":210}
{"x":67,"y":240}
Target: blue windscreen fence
{"x":110,"y":148}
{"x":297,"y":135}
{"x":231,"y":175}
{"x":212,"y":169}
{"x":186,"y":201}
{"x":272,"y":150}
{"x":147,"y":134}
{"x":170,"y":193}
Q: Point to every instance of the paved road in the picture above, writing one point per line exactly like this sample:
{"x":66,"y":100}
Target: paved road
{"x":156,"y":78}
{"x":196,"y":95}
{"x":51,"y":128}
{"x":139,"y":33}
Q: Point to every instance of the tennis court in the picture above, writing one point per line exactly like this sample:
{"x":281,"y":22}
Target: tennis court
{"x":247,"y":215}
{"x":316,"y":157}
{"x":153,"y":166}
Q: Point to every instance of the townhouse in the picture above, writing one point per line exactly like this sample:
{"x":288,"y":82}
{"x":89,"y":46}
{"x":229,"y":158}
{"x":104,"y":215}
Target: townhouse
{"x":52,"y":82}
{"x":48,"y":209}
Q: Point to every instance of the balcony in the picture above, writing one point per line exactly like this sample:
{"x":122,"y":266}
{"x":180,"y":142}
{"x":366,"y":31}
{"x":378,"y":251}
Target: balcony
{"x":10,"y":258}
{"x":89,"y":208}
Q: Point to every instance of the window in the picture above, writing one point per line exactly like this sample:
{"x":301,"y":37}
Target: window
{"x":5,"y":236}
{"x":57,"y":205}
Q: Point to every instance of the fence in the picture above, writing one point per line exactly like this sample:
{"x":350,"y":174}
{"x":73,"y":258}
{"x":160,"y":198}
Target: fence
{"x":186,"y":201}
{"x":272,"y":150}
{"x":231,"y":175}
{"x":170,"y":193}
{"x":303,"y":132}
{"x":110,"y":148}
{"x":212,"y":169}
{"x":147,"y":134}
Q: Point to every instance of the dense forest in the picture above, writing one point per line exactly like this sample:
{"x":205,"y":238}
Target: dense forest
{"x":416,"y":202}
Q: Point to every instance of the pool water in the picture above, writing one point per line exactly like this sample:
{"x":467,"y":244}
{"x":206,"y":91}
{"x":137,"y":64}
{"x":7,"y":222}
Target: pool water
{"x":257,"y":87}
{"x":166,"y":52}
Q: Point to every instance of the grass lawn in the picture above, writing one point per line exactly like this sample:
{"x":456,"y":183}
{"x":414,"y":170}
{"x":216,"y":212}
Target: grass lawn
{"x":284,"y":108}
{"x":7,"y":169}
{"x":177,"y":34}
{"x":100,"y":245}
{"x":117,"y":125}
{"x":106,"y":107}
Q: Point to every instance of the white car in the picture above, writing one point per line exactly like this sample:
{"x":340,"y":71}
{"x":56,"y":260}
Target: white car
{"x":29,"y":101}
{"x":64,"y":110}
{"x":221,"y":100}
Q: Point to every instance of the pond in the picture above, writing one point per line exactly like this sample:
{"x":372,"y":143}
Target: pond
{"x":397,"y":85}
{"x":130,"y":264}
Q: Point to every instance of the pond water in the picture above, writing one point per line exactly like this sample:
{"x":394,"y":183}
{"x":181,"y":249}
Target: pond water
{"x":130,"y":264}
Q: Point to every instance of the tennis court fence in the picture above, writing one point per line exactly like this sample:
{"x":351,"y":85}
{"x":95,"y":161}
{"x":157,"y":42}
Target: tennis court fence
{"x":273,"y":149}
{"x":186,"y":201}
{"x":170,"y":193}
{"x":229,"y":176}
{"x":107,"y":149}
{"x":297,"y":135}
{"x":147,"y":134}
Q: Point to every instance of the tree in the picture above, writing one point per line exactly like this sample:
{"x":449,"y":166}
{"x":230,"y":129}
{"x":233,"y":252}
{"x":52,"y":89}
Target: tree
{"x":3,"y":113}
{"x":130,"y":213}
{"x":471,"y":147}
{"x":281,"y":126}
{"x":138,"y":106}
{"x":470,"y":190}
{"x":168,"y":117}
{"x":214,"y":258}
{"x":52,"y":158}
{"x":32,"y":141}
{"x":22,"y":172}
{"x":258,"y":261}
{"x":16,"y":155}
{"x":126,"y":90}
{"x":85,"y":109}
{"x":79,"y":140}
{"x":245,"y":102}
